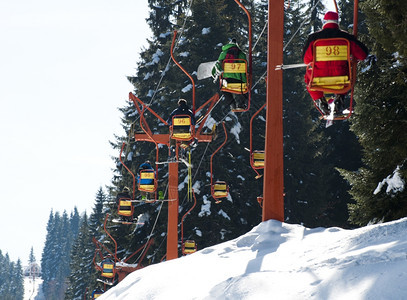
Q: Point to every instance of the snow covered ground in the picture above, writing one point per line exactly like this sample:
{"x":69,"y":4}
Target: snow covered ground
{"x":281,"y":261}
{"x":32,"y":289}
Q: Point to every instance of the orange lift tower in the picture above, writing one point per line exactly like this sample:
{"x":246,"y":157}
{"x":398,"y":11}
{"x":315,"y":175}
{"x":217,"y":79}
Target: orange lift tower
{"x":273,"y":184}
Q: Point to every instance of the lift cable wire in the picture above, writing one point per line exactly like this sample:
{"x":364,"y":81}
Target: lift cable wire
{"x":289,"y":41}
{"x":153,"y":228}
{"x":169,"y":60}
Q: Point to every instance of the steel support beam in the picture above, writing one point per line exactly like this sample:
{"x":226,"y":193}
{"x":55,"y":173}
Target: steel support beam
{"x":273,"y":185}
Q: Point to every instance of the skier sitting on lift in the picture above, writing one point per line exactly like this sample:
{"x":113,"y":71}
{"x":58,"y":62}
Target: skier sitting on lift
{"x":124,"y":194}
{"x":182,"y":109}
{"x":358,"y":50}
{"x":231,"y":51}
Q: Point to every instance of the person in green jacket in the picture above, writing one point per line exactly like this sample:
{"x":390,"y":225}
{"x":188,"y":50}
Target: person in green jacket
{"x":231,"y":51}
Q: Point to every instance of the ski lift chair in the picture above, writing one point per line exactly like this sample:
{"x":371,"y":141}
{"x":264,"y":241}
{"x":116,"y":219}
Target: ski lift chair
{"x":258,"y":159}
{"x":189,"y":247}
{"x":125,"y":207}
{"x":108,"y":268}
{"x":220,"y":189}
{"x":96,"y":293}
{"x":182,"y":128}
{"x":332,"y":54}
{"x":235,"y":66}
{"x":147,"y":181}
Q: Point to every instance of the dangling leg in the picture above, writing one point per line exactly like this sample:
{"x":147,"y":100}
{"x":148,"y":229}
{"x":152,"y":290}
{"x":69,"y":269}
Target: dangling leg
{"x":319,"y":101}
{"x":339,"y":103}
{"x":322,"y":104}
{"x":230,"y":100}
{"x":241,"y":101}
{"x":171,"y":154}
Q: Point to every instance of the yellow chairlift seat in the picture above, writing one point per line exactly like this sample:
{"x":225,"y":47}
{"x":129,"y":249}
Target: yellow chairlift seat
{"x":189,"y":247}
{"x":147,"y":182}
{"x":182,"y":128}
{"x":125,"y":208}
{"x":96,"y":294}
{"x":233,"y":87}
{"x":333,"y":82}
{"x":331,"y":50}
{"x":220,"y":189}
{"x":108,"y":269}
{"x":235,"y":66}
{"x":258,"y":158}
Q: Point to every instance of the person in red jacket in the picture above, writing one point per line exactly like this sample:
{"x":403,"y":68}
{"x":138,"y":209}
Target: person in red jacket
{"x":358,"y":50}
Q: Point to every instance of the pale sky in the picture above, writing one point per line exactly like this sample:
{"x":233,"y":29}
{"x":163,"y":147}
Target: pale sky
{"x":63,"y":67}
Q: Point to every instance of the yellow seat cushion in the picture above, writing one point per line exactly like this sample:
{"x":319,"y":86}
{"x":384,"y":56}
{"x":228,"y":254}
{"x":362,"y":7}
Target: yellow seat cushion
{"x":184,"y":135}
{"x":235,"y":87}
{"x":333,"y":82}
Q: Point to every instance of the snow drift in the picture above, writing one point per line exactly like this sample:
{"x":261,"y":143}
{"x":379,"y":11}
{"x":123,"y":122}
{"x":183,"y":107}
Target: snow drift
{"x":282,"y":261}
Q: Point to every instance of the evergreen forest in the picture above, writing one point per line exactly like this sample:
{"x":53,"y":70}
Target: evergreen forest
{"x":11,"y":279}
{"x":336,"y":176}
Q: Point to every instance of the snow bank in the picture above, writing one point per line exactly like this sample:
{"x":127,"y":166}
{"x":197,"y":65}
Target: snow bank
{"x":282,"y":261}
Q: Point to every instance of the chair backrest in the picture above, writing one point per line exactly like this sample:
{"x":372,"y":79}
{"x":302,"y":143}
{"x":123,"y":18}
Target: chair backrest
{"x":235,"y":66}
{"x":96,"y":294}
{"x":189,"y":247}
{"x":108,"y":269}
{"x":331,"y":68}
{"x":258,"y":159}
{"x":125,"y":208}
{"x":147,"y":182}
{"x":182,"y":128}
{"x":220,"y":189}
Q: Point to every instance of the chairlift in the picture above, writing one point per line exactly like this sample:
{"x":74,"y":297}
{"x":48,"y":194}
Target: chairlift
{"x":219,"y":189}
{"x":189,"y":247}
{"x":147,"y":181}
{"x":334,"y":52}
{"x":182,"y":128}
{"x":125,"y":207}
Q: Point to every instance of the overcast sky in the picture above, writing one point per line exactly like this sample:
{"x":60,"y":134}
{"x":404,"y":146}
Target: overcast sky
{"x":63,"y":67}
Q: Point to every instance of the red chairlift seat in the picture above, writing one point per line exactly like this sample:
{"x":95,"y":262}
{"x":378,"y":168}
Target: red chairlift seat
{"x":125,"y":207}
{"x":147,"y":181}
{"x":189,"y":247}
{"x":234,"y":66}
{"x":182,"y":128}
{"x":332,"y":54}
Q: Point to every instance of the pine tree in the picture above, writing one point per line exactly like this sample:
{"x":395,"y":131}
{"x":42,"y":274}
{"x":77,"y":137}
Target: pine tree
{"x":18,"y":281}
{"x":83,"y":275}
{"x":11,"y":279}
{"x":31,"y":258}
{"x":55,"y":262}
{"x":380,"y":119}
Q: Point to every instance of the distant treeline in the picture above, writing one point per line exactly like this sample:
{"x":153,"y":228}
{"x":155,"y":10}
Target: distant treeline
{"x":11,"y":279}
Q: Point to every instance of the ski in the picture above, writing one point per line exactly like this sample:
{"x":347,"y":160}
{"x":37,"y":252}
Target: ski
{"x":205,"y":70}
{"x":105,"y":281}
{"x":166,"y":162}
{"x":292,"y":66}
{"x":186,"y":163}
{"x":124,"y":222}
{"x":181,"y":160}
